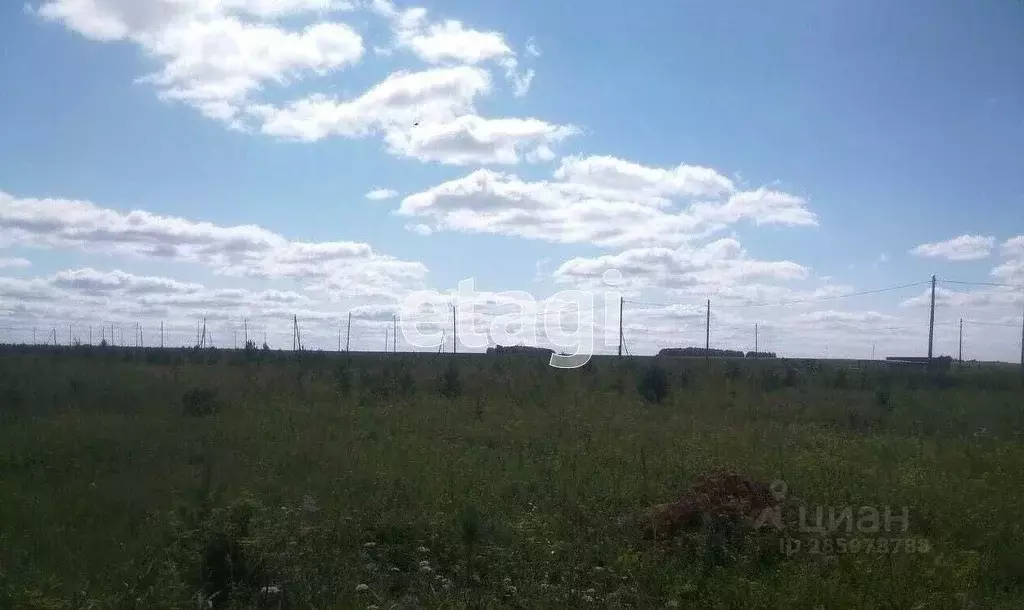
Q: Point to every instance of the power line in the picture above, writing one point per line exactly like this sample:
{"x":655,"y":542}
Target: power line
{"x":794,"y":301}
{"x":996,"y":284}
{"x":831,"y":297}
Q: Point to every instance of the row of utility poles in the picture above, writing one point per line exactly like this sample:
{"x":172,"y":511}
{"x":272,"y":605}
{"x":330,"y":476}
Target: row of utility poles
{"x":204,"y":339}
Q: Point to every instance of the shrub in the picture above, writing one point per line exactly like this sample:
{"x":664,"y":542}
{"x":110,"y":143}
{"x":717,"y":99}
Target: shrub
{"x":791,"y":378}
{"x":451,"y":385}
{"x":883,"y":398}
{"x":199,"y":402}
{"x":653,"y":384}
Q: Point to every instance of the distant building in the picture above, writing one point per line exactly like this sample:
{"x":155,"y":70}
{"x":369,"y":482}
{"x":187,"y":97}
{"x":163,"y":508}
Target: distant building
{"x":939,"y":362}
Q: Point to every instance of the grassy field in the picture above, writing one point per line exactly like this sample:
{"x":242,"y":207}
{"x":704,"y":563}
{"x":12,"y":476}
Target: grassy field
{"x":145,"y":479}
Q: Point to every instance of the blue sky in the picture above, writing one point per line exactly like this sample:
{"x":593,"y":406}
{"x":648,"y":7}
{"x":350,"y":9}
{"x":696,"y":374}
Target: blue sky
{"x":745,"y":152}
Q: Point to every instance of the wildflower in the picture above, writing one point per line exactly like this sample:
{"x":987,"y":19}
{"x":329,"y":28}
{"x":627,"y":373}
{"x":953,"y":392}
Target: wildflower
{"x":370,"y":567}
{"x":672,"y":603}
{"x":423,"y":549}
{"x":270,"y":590}
{"x":309,"y":504}
{"x":393,"y":569}
{"x":369,"y":545}
{"x":589,"y":591}
{"x":426,"y":569}
{"x":588,"y":599}
{"x":361,"y":587}
{"x":424,"y":563}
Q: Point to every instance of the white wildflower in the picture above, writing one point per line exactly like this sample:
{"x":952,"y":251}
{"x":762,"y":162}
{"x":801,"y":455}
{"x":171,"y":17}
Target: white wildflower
{"x":423,"y":549}
{"x":369,"y":545}
{"x":361,"y":587}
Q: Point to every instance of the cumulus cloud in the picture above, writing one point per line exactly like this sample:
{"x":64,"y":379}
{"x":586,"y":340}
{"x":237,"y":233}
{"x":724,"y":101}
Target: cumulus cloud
{"x":243,"y":250}
{"x":962,"y":248}
{"x":711,"y":267}
{"x":219,"y":55}
{"x":427,"y":115}
{"x":625,"y":177}
{"x":450,"y":41}
{"x":471,"y":139}
{"x":216,"y":53}
{"x":601,"y":201}
{"x":1011,"y":269}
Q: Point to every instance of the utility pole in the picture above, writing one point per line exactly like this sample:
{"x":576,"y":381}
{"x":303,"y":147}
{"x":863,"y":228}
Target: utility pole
{"x":872,"y":351}
{"x":620,"y":327}
{"x":161,"y":334}
{"x":55,"y":336}
{"x":203,"y":340}
{"x":961,"y":357}
{"x":142,"y":341}
{"x":707,"y":330}
{"x":113,"y":340}
{"x":70,"y":341}
{"x":931,"y":324}
{"x":755,"y":340}
{"x":339,"y":340}
{"x":387,"y":340}
{"x":136,"y":334}
{"x":394,"y":335}
{"x":234,"y":337}
{"x":90,"y":334}
{"x":455,"y":332}
{"x":348,"y":334}
{"x":245,"y":326}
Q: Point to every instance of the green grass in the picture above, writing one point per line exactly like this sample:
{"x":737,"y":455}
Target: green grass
{"x":326,"y":473}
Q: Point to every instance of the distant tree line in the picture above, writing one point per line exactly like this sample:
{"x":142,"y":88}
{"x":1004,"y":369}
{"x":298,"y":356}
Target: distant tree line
{"x":521,"y":350}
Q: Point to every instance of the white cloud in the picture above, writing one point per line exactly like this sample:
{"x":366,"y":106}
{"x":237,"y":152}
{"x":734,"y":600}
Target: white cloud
{"x":471,"y":139}
{"x":710,"y":268}
{"x":962,"y":248}
{"x":451,"y":41}
{"x":404,"y":98}
{"x":621,"y":176}
{"x":381,"y":194}
{"x":1014,"y":247}
{"x":213,"y":55}
{"x":1011,"y":269}
{"x":11,"y":263}
{"x":604,"y":202}
{"x":427,"y":115}
{"x":247,"y":250}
